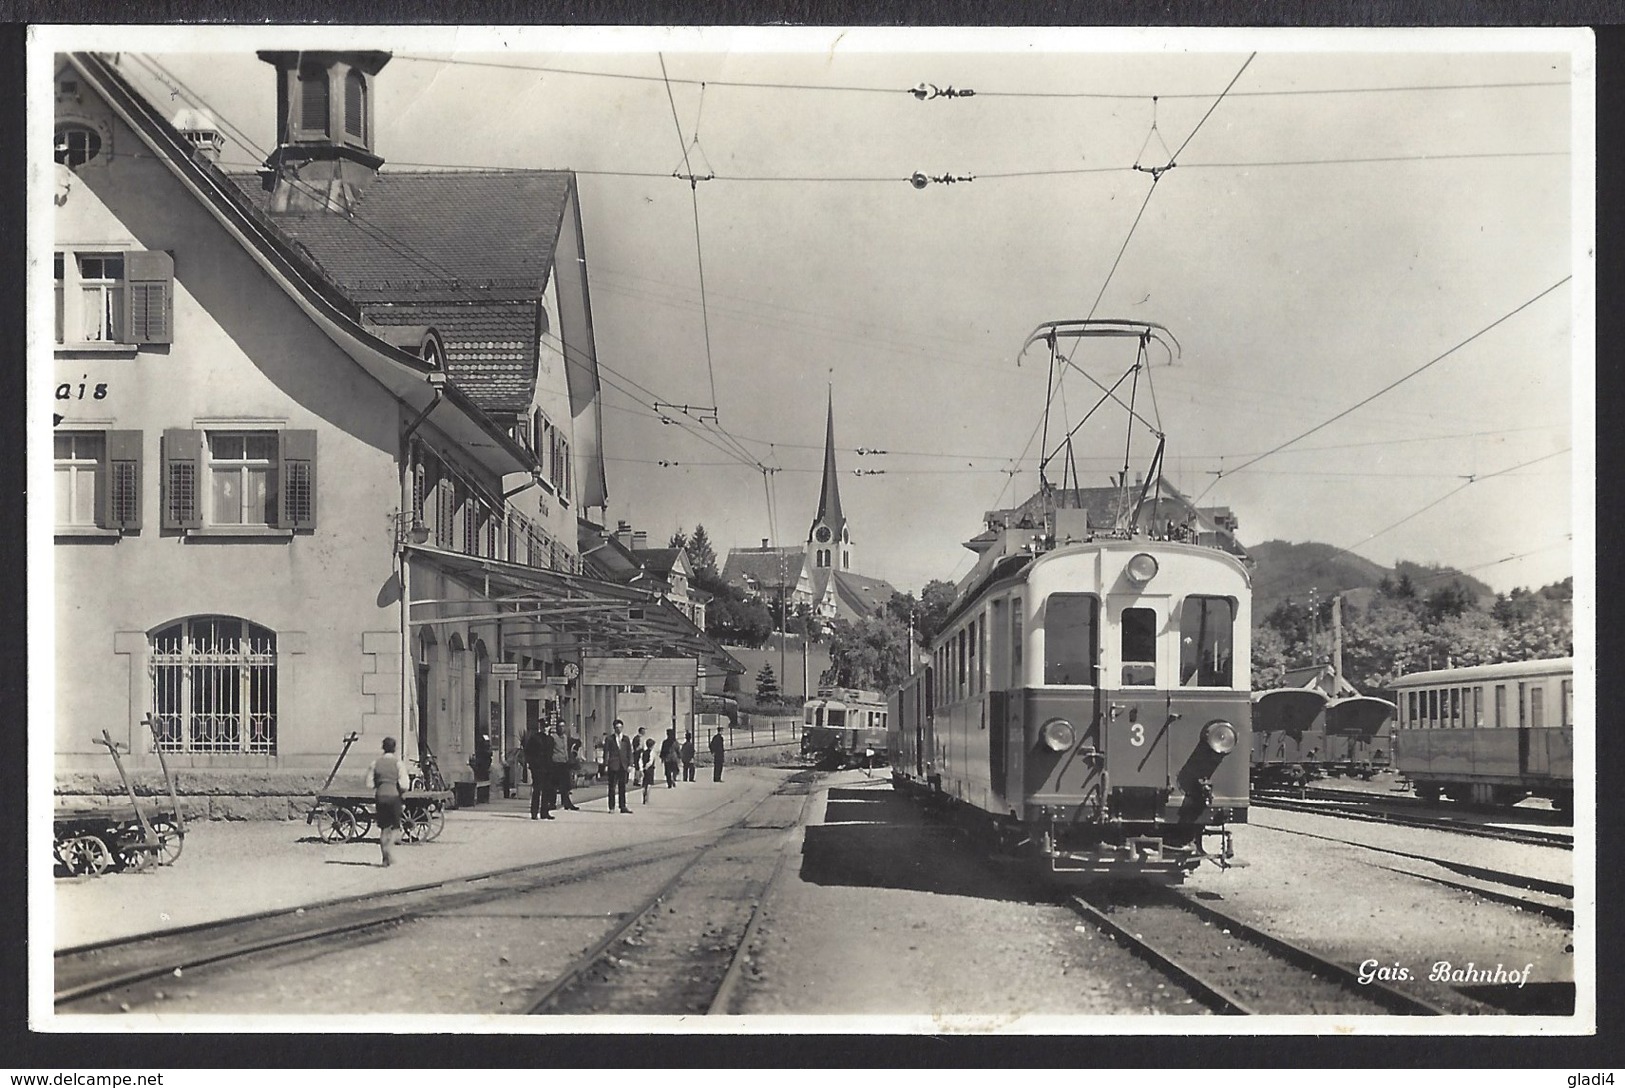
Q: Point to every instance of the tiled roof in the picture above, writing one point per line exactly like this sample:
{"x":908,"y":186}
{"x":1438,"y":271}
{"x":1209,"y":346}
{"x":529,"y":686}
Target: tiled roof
{"x":869,"y":595}
{"x":764,"y":566}
{"x":435,"y":236}
{"x":465,"y":251}
{"x":490,"y":347}
{"x":659,"y":560}
{"x":862,"y":596}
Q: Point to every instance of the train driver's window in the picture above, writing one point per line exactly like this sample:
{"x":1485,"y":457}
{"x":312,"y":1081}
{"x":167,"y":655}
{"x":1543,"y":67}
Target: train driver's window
{"x":1205,"y":649}
{"x":1433,"y":709}
{"x":1537,"y":707}
{"x":1500,"y":706}
{"x":1071,"y":638}
{"x":1410,"y":716}
{"x":1455,"y":708}
{"x":1139,"y":647}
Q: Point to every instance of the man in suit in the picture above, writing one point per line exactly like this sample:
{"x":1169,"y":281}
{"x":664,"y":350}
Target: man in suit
{"x":538,"y":744}
{"x":617,"y":762}
{"x":716,"y":755}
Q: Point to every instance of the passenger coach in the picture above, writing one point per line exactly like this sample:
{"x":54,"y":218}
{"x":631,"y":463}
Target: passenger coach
{"x":1489,"y":734}
{"x":1090,"y":703}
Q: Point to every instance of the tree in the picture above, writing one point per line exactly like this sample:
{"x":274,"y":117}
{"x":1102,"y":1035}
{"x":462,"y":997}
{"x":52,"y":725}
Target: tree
{"x":701,"y":556}
{"x":1450,"y":599}
{"x":679,"y":540}
{"x":731,"y":618}
{"x":936,"y":601}
{"x":1269,"y":658}
{"x":767,"y":685}
{"x":871,"y":653}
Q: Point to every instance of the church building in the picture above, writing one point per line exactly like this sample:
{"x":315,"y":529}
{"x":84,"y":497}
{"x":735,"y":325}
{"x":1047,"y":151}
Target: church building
{"x":819,"y":573}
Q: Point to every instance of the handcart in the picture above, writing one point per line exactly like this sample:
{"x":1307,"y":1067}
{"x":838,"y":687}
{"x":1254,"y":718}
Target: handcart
{"x":346,"y":815}
{"x":91,"y":839}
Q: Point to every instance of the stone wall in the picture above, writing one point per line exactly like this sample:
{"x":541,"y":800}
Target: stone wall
{"x":220,"y":795}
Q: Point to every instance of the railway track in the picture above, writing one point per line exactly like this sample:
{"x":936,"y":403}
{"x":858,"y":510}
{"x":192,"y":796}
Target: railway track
{"x":1348,"y":809}
{"x":685,"y":949}
{"x":121,"y":974}
{"x":1557,"y":890}
{"x":1233,"y":967}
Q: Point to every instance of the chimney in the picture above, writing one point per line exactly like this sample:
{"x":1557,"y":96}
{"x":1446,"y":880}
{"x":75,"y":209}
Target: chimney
{"x":623,"y":534}
{"x":201,"y":131}
{"x":640,"y":541}
{"x":764,"y":543}
{"x":324,"y":157}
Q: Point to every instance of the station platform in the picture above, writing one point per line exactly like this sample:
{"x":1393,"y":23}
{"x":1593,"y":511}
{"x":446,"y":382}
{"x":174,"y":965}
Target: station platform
{"x":230,"y":869}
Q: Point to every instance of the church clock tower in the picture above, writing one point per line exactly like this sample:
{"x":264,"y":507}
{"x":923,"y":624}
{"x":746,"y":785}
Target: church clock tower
{"x":829,"y":541}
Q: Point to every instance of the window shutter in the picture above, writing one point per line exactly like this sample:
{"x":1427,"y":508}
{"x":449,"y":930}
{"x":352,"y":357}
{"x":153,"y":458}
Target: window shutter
{"x":149,"y":278}
{"x":297,"y":480}
{"x":183,"y":479}
{"x":119,"y":484}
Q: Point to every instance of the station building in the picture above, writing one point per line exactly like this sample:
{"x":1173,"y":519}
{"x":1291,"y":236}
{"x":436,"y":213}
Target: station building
{"x":323,"y":434}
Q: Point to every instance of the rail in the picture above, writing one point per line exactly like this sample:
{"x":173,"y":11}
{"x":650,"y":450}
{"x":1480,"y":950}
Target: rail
{"x":1224,"y":997}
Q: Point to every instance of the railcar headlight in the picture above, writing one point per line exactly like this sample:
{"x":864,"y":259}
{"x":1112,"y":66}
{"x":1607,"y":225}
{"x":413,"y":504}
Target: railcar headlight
{"x":1142,"y":568}
{"x":1058,"y":735}
{"x":1220,"y":736}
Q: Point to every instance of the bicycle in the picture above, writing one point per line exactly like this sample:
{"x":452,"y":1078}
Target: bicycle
{"x":428,"y":776}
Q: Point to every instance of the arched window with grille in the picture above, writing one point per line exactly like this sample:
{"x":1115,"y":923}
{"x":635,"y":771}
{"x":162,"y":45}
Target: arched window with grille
{"x":214,"y":686}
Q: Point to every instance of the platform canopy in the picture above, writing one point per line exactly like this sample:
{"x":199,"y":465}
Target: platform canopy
{"x":550,"y":610}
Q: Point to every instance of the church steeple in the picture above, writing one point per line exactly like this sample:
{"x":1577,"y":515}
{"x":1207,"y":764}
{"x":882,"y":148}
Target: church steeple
{"x":829,"y":537}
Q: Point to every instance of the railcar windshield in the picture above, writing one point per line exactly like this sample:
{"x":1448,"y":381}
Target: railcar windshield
{"x":1071,"y":638}
{"x":835,"y":716}
{"x":1206,"y":650}
{"x":1139,"y":647}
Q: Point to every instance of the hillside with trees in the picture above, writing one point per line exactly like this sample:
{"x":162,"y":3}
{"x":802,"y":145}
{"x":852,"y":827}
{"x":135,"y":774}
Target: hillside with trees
{"x":1285,"y":571}
{"x":1404,"y":627}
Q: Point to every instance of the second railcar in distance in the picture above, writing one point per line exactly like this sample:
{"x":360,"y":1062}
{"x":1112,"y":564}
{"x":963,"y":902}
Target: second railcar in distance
{"x":1090,"y":703}
{"x":841,"y":725}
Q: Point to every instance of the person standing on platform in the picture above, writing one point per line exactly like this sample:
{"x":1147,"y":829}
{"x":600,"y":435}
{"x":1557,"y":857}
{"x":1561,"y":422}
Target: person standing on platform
{"x":572,"y":765}
{"x":646,"y":765}
{"x":688,"y":756}
{"x":617,"y":762}
{"x":558,"y":790}
{"x":388,"y":780}
{"x":716,"y":755}
{"x":670,"y":757}
{"x":539,"y":757}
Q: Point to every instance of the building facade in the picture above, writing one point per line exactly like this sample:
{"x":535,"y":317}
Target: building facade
{"x":322,"y":435}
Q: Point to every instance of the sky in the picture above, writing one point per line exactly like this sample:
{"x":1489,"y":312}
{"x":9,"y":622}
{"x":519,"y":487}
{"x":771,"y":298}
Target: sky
{"x":1354,"y":207}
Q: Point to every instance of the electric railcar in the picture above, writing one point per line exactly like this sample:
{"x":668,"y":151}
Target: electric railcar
{"x":1489,"y":734}
{"x":841,"y":724}
{"x":1090,"y":705}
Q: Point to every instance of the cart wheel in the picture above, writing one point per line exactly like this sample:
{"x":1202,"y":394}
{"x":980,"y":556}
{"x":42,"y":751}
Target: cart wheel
{"x":363,"y":822}
{"x":170,"y":840}
{"x":86,"y":855}
{"x":346,"y":825}
{"x":414,"y":828}
{"x":324,"y":818}
{"x":134,"y":857}
{"x":435,"y":819}
{"x":336,"y":825}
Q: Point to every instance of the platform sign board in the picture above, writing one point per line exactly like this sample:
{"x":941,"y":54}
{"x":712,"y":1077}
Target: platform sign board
{"x":662,"y":672}
{"x":532,"y":676}
{"x":504,"y":670}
